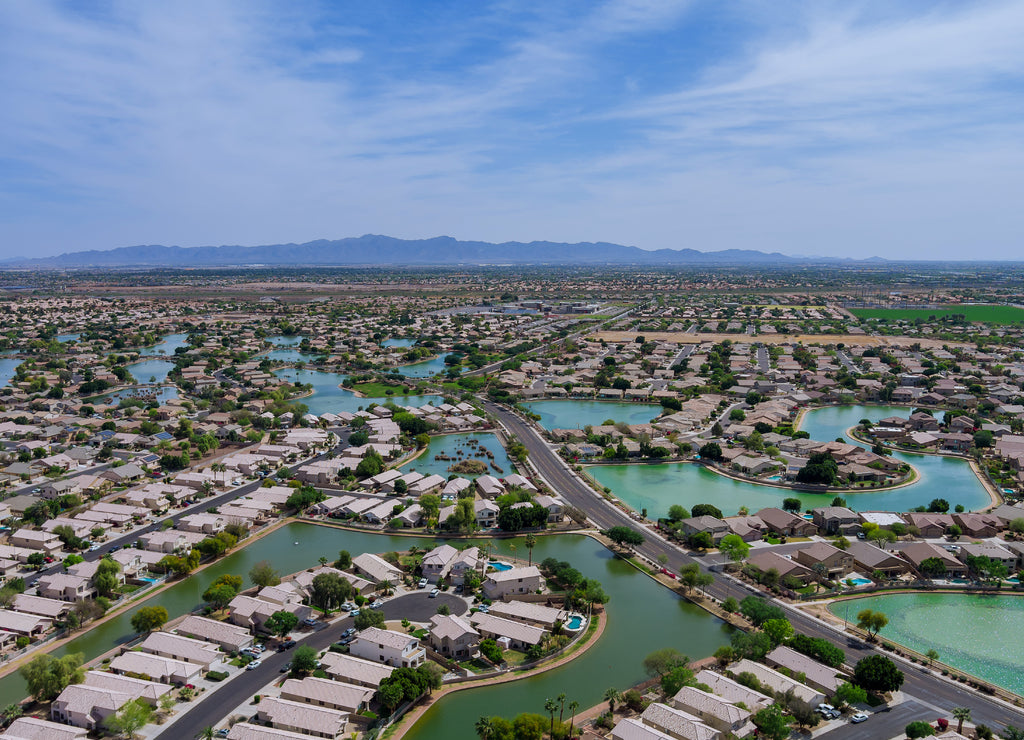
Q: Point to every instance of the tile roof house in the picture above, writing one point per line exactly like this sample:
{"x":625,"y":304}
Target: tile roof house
{"x":304,"y":718}
{"x":818,"y":675}
{"x":453,"y":636}
{"x":353,"y":670}
{"x":388,"y":647}
{"x":513,"y":581}
{"x":323,"y":692}
{"x":714,"y":711}
{"x":32,"y":728}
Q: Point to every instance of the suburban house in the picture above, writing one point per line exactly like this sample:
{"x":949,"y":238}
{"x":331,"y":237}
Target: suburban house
{"x":303,"y":718}
{"x":513,"y":581}
{"x":323,"y":692}
{"x":836,"y":520}
{"x":453,"y":636}
{"x":786,"y":523}
{"x":388,"y":647}
{"x":836,"y":561}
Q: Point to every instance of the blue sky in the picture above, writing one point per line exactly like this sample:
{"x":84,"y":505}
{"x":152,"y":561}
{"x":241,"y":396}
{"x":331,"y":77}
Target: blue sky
{"x":850,"y":128}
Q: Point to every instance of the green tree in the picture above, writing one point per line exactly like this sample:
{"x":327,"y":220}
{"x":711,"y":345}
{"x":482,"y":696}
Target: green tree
{"x":369,"y":618}
{"x":871,"y":621}
{"x":847,"y":693}
{"x":531,"y":542}
{"x":329,"y":591}
{"x":303,"y":661}
{"x":47,"y":676}
{"x":676,"y":513}
{"x":961,"y":715}
{"x":130,"y":718}
{"x":149,"y":618}
{"x":624,"y":536}
{"x":612,"y":695}
{"x":219,"y":595}
{"x":263,"y":574}
{"x":877,"y":673}
{"x":919,"y":728}
{"x":344,"y":561}
{"x":778,"y":630}
{"x":281,"y":622}
{"x":662,"y":661}
{"x":734,"y":548}
{"x":484,"y":728}
{"x":772,"y":723}
{"x":791,"y":504}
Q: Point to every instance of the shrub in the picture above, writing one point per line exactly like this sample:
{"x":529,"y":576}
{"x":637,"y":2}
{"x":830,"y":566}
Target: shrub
{"x":216,"y":675}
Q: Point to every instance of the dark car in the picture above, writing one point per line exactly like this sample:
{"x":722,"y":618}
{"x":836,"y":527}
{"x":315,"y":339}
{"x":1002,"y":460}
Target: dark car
{"x":286,"y":667}
{"x":287,"y":645}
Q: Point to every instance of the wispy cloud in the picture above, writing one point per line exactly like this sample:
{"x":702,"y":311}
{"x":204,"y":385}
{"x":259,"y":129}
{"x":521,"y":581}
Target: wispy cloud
{"x":806,"y":128}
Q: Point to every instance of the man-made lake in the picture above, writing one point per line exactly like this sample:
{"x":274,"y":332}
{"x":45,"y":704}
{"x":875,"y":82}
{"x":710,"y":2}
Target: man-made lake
{"x":642,"y":617}
{"x":168,"y":346}
{"x":424,"y":369}
{"x":460,"y":447}
{"x":656,"y":487}
{"x":7,"y":366}
{"x":571,"y":414}
{"x":73,"y":337}
{"x":161,"y":395}
{"x":973,"y":633}
{"x":398,"y":343}
{"x":151,"y":371}
{"x":329,"y":398}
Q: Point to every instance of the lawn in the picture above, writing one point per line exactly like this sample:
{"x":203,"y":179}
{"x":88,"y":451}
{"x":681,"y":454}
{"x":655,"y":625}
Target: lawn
{"x":987,"y":314}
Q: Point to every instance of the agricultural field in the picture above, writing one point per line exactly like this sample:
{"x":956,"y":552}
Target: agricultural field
{"x":987,"y":314}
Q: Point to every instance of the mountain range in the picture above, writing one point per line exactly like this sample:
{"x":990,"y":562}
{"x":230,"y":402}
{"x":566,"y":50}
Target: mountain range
{"x":372,"y":249}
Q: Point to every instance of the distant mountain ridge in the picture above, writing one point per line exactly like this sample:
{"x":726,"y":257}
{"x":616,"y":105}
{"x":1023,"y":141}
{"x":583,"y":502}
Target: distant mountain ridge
{"x":372,"y":249}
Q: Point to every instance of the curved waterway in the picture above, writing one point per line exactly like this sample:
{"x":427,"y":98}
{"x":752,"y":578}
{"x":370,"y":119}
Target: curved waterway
{"x":572,"y":414}
{"x":462,"y":447}
{"x":658,"y":486}
{"x":7,"y":367}
{"x":328,"y":397}
{"x":642,"y":617}
{"x":973,"y":633}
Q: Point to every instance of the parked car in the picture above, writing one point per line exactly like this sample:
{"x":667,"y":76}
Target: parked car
{"x":287,"y":645}
{"x":422,"y":583}
{"x":349,"y":631}
{"x":286,"y":667}
{"x":434,"y":593}
{"x":377,"y":604}
{"x":858,"y":717}
{"x":354,"y":613}
{"x":254,"y":665}
{"x":309,"y":621}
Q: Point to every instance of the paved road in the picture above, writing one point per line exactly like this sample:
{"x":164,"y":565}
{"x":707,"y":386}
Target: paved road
{"x":216,"y":706}
{"x":920,"y":683}
{"x":883,"y":722}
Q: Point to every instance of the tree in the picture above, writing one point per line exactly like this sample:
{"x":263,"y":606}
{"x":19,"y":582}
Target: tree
{"x":551,"y":706}
{"x":932,"y":568}
{"x":263,"y":574}
{"x":304,"y":660}
{"x":622,"y":536}
{"x":919,"y":728}
{"x":778,"y":630}
{"x":871,"y":621}
{"x":711,"y":451}
{"x":662,"y":661}
{"x":932,"y":655}
{"x":573,"y":706}
{"x":219,"y":595}
{"x":938,"y":506}
{"x":329,"y":591}
{"x":772,"y":723}
{"x":791,"y":504}
{"x":677,"y":513}
{"x":149,"y":618}
{"x":759,"y":611}
{"x":700,"y":541}
{"x":877,"y":673}
{"x":676,"y":679}
{"x":130,"y":718}
{"x":734,"y":548}
{"x":344,"y":561}
{"x":484,"y":728}
{"x":530,"y":542}
{"x":821,"y":467}
{"x":707,"y":510}
{"x":611,"y":696}
{"x":847,"y":693}
{"x":281,"y":622}
{"x":961,"y":715}
{"x":47,"y":676}
{"x":369,"y":618}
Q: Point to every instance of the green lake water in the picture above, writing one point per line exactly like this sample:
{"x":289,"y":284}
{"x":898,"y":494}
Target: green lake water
{"x":329,"y":398}
{"x":973,"y":633}
{"x":571,"y":414}
{"x":656,"y":487}
{"x":642,"y":617}
{"x":458,"y":446}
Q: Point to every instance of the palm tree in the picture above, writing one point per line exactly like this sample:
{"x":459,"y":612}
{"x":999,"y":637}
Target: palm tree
{"x":531,"y":542}
{"x":323,"y":560}
{"x":611,"y":696}
{"x":573,"y":706}
{"x":961,"y":715}
{"x":561,"y":705}
{"x":513,"y":549}
{"x":550,"y":706}
{"x":484,"y":728}
{"x":208,"y":733}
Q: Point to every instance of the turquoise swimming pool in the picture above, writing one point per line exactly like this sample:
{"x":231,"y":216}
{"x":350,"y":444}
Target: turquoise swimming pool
{"x":498,"y":565}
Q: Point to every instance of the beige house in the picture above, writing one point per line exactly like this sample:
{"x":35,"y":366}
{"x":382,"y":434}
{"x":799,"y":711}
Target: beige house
{"x":303,"y":718}
{"x":501,"y":584}
{"x":388,"y":647}
{"x":453,"y":636}
{"x":322,"y":692}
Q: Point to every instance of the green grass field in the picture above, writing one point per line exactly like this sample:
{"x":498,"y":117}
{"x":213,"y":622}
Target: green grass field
{"x":983,"y":314}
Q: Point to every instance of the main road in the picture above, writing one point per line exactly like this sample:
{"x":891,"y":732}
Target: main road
{"x":920,"y":683}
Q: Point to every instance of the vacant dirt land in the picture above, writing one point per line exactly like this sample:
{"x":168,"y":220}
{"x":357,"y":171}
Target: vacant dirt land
{"x":857,"y":340}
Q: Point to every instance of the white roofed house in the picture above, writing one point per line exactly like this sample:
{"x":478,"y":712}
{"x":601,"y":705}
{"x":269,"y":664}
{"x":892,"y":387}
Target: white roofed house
{"x":489,"y":486}
{"x":409,"y":517}
{"x":33,"y":539}
{"x":246,"y":611}
{"x":303,"y":718}
{"x":202,"y":523}
{"x":65,"y":586}
{"x":33,"y":728}
{"x":231,"y":638}
{"x":376,"y":568}
{"x":89,"y":703}
{"x":714,"y":711}
{"x":26,"y":625}
{"x":178,"y":647}
{"x":353,"y":670}
{"x":249,"y":731}
{"x":388,"y":647}
{"x":428,"y":484}
{"x":453,"y":636}
{"x":344,"y":697}
{"x":435,"y":563}
{"x":556,"y":509}
{"x":520,"y":636}
{"x":157,"y":667}
{"x":500,"y":584}
{"x":486,"y":513}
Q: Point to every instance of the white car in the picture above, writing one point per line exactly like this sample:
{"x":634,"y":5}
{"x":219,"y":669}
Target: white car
{"x":254,"y":665}
{"x":858,"y":717}
{"x":434,"y":593}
